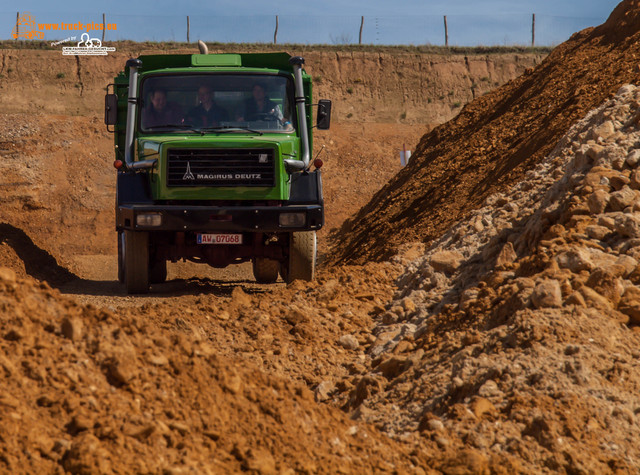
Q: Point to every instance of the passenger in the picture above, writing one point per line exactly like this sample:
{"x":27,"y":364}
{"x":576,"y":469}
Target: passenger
{"x":207,"y":113}
{"x":159,"y":112}
{"x":260,"y":107}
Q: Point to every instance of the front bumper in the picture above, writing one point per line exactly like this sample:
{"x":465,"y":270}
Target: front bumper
{"x":219,"y":218}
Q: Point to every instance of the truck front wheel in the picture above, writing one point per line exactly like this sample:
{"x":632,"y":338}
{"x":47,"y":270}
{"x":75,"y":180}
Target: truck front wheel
{"x":302,"y":257}
{"x":265,"y":270}
{"x":136,"y":262}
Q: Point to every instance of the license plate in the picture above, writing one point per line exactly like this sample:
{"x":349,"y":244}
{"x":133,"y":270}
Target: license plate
{"x":219,"y":238}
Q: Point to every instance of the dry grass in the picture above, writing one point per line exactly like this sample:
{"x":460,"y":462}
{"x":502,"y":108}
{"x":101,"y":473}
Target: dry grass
{"x":249,"y":47}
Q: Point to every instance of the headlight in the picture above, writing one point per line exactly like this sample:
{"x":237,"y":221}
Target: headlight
{"x":152,"y":219}
{"x":289,"y":220}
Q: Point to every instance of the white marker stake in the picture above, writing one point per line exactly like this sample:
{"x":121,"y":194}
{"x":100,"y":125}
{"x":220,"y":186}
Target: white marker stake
{"x":404,"y":155}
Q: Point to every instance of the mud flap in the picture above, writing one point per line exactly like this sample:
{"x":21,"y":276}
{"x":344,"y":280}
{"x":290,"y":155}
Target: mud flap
{"x":306,"y":188}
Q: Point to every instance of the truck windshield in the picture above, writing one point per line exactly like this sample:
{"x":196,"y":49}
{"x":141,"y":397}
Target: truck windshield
{"x":217,"y":102}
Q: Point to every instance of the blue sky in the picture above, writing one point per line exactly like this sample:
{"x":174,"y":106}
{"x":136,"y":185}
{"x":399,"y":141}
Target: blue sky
{"x":470,"y":22}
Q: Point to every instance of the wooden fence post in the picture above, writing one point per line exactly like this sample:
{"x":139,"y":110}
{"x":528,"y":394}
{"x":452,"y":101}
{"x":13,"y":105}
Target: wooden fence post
{"x":275,"y":33}
{"x":533,"y":30}
{"x":188,"y":28}
{"x":17,"y":25}
{"x":104,"y":26}
{"x":361,"y":26}
{"x":446,"y":32}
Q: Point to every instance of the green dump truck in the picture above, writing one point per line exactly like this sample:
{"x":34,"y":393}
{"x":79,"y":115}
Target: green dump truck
{"x":213,"y":153}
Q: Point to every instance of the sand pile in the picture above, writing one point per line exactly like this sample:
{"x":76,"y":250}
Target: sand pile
{"x":495,"y":140}
{"x":85,"y":390}
{"x":517,"y":333}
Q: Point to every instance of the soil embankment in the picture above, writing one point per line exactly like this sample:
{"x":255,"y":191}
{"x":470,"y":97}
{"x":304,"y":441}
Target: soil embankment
{"x":494,"y":141}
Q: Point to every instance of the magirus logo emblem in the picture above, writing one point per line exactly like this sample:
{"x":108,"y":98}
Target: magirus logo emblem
{"x":188,"y":175}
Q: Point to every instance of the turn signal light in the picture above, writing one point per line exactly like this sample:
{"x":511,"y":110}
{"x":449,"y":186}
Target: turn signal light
{"x":117,"y":164}
{"x":318,"y":163}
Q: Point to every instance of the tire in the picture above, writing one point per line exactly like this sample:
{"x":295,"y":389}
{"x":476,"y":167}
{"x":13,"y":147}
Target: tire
{"x":120,"y":257}
{"x":265,"y":270}
{"x":136,"y":262}
{"x":157,"y":271}
{"x":302,"y":257}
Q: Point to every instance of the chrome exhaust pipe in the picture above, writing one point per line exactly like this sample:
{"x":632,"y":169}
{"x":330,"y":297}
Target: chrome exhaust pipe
{"x":297,"y":165}
{"x":132,"y":105}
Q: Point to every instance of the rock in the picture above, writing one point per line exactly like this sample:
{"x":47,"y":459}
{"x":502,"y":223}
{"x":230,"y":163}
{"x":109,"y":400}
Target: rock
{"x":446,"y":261}
{"x":239,"y":297}
{"x":633,"y":158}
{"x":71,"y":328}
{"x":408,"y":305}
{"x":157,"y":359}
{"x":435,"y":425}
{"x":547,"y":294}
{"x":627,"y":225}
{"x":328,"y":290}
{"x":348,"y":342}
{"x":7,"y":275}
{"x":630,"y":304}
{"x":607,"y":222}
{"x":295,"y":316}
{"x":443,"y":442}
{"x":120,"y":371}
{"x":606,"y":284}
{"x":481,"y":406}
{"x":621,"y":199}
{"x":603,"y":131}
{"x":180,"y":427}
{"x":617,"y":182}
{"x":593,"y":298}
{"x":223,"y":315}
{"x":576,"y":299}
{"x":628,"y":263}
{"x":394,"y":366}
{"x":594,"y":151}
{"x":323,"y":391}
{"x":634,"y":184}
{"x":79,"y":423}
{"x":618,"y":161}
{"x":506,"y":256}
{"x":232,"y":382}
{"x":575,"y":260}
{"x":490,"y":389}
{"x":597,"y":232}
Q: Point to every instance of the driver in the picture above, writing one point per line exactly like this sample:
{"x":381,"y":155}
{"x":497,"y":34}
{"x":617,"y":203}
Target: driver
{"x":159,"y":112}
{"x":207,"y":113}
{"x":260,"y":107}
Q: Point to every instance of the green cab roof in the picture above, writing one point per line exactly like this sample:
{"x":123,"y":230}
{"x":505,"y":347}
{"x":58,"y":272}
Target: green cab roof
{"x":240,"y":60}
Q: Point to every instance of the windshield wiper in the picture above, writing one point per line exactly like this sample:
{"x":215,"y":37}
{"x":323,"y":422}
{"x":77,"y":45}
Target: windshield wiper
{"x":171,"y":126}
{"x":228,"y":128}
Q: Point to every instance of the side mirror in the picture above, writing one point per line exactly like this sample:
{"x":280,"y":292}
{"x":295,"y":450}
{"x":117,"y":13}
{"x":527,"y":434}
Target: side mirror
{"x":324,"y":114}
{"x":110,"y":109}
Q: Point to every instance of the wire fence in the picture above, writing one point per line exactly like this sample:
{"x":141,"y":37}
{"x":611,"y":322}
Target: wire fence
{"x":452,"y":30}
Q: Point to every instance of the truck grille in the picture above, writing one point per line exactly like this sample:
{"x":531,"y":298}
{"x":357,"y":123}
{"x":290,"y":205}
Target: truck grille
{"x":221,"y":167}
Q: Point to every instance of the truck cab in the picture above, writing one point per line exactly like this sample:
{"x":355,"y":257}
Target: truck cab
{"x":213,"y":153}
